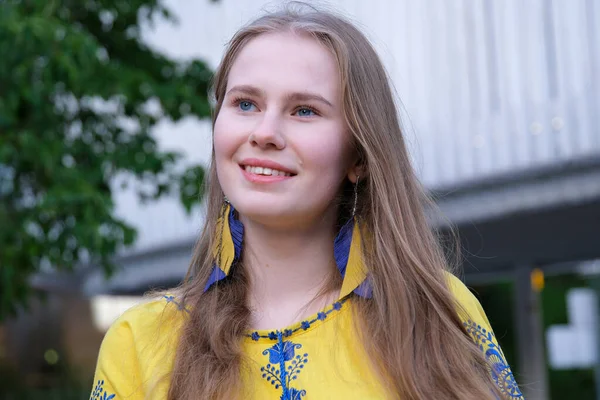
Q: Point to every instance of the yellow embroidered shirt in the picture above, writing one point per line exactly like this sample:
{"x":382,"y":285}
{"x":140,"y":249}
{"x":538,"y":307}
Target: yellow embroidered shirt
{"x":318,"y":358}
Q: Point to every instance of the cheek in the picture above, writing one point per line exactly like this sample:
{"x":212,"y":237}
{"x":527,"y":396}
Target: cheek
{"x":226,"y":138}
{"x":328,"y":154}
{"x":225,"y":142}
{"x":220,"y":139}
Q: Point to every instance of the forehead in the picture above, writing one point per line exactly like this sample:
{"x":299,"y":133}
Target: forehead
{"x":286,"y":61}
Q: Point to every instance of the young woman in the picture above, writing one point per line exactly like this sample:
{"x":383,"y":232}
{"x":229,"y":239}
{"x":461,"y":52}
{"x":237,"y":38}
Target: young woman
{"x":316,"y":275}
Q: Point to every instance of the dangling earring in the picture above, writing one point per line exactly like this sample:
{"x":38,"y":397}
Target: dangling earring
{"x":228,"y":244}
{"x":347,"y":249}
{"x":355,"y":196}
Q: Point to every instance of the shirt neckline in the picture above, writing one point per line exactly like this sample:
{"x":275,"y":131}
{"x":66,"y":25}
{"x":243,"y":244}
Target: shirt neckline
{"x":298,"y":328}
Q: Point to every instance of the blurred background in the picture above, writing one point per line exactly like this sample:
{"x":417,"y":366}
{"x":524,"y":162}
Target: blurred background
{"x":104,"y":138}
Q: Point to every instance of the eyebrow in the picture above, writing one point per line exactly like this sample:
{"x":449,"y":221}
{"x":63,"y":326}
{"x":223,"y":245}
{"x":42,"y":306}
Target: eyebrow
{"x":296,"y":96}
{"x":301,"y":96}
{"x":247,"y":89}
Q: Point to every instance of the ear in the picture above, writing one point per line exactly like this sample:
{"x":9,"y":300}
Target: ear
{"x":355,"y":172}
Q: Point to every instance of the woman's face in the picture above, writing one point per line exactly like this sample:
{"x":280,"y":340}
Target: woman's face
{"x":281,"y":145}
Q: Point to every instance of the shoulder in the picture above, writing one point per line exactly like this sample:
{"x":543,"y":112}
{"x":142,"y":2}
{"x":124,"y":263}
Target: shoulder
{"x":147,"y":330}
{"x":457,"y":287}
{"x":469,"y":308}
{"x":477,"y":325}
{"x":138,"y":349}
{"x":160,"y":313}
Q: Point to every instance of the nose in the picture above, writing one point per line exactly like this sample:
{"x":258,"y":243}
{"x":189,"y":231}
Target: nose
{"x":267,"y":133}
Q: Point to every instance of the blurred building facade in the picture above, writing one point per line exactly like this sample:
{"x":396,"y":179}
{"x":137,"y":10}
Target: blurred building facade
{"x":501,"y":108}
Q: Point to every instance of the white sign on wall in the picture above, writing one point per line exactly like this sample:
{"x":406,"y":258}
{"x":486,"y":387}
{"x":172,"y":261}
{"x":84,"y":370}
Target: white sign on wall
{"x":575,"y":345}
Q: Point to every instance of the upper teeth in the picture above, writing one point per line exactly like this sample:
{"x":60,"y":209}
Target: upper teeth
{"x":265,"y":171}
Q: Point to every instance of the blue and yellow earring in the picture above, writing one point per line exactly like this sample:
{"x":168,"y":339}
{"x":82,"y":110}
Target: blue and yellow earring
{"x":347,"y":251}
{"x":228,"y":246}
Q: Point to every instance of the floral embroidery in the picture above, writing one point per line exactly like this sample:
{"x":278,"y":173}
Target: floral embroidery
{"x":171,"y":299}
{"x":281,"y":351}
{"x":284,"y":367}
{"x":500,"y":370}
{"x":294,"y":394}
{"x":99,"y":393}
{"x":304,"y":325}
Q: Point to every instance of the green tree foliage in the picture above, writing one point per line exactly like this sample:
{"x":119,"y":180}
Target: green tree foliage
{"x":79,"y":95}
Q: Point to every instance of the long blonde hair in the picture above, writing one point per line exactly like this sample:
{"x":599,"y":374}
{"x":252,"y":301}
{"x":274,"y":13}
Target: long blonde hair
{"x":410,"y":327}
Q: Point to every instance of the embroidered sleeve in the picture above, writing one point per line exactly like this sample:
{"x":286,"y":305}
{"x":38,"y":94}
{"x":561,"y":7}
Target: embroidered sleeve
{"x":477,"y":325}
{"x":117,"y":372}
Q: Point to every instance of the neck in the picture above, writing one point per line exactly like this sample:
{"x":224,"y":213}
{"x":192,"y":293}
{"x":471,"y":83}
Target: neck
{"x":287,"y":270}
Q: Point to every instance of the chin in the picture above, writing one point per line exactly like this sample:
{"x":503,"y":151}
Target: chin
{"x":274,"y":216}
{"x":260,"y":211}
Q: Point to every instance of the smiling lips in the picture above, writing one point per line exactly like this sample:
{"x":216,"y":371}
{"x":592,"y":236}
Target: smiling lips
{"x":265,"y":171}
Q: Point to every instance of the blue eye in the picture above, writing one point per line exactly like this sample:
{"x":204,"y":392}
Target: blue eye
{"x":246,"y":106}
{"x":305,"y":112}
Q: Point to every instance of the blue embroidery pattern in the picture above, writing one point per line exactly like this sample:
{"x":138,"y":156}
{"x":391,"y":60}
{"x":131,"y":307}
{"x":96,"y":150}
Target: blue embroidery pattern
{"x":171,"y":299}
{"x":304,"y":325}
{"x":99,"y":393}
{"x":277,"y":373}
{"x":500,"y":370}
